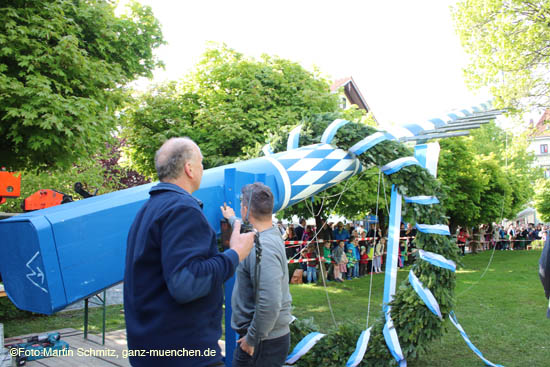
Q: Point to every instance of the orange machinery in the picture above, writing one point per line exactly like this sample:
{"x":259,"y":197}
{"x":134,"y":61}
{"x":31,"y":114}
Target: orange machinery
{"x":45,"y":198}
{"x":10,"y":185}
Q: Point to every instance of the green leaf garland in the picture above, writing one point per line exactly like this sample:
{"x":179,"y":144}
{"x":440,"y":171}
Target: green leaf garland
{"x":416,"y":326}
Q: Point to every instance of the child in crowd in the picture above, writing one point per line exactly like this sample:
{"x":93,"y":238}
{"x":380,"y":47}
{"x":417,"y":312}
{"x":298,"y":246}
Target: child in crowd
{"x":306,"y":237}
{"x":363,"y":261}
{"x":461,"y":239}
{"x":311,"y":256}
{"x":340,"y":260}
{"x":357,"y":255}
{"x":370,"y":252}
{"x":309,"y":234}
{"x":378,"y":251}
{"x":327,"y":263}
{"x":351,"y":262}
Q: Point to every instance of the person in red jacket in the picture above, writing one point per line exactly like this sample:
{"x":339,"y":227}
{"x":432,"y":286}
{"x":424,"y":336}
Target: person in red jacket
{"x":311,"y":256}
{"x":461,"y":239}
{"x":363,"y":261}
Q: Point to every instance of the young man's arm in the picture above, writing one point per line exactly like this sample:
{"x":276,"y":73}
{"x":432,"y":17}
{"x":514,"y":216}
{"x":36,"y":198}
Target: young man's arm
{"x":270,"y":296}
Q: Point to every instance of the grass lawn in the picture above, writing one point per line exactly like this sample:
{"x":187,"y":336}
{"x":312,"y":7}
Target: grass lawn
{"x":69,"y":319}
{"x":503,"y":313}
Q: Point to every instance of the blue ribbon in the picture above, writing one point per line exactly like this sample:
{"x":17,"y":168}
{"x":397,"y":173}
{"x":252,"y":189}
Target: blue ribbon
{"x":422,"y":200}
{"x":267,"y":150}
{"x":453,"y":116}
{"x":466,"y":112}
{"x":390,"y":276}
{"x":360,"y":349}
{"x":416,"y":129}
{"x":331,"y":130}
{"x":434,"y":228}
{"x":438,"y":122}
{"x":304,"y":346}
{"x":390,"y":336}
{"x":397,"y":132}
{"x":425,"y":294}
{"x":399,"y":163}
{"x":453,"y":319}
{"x":437,"y":260}
{"x":370,"y":141}
{"x":293,"y":138}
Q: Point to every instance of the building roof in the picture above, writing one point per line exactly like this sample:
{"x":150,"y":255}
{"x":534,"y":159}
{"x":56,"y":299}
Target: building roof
{"x":542,"y":128}
{"x":352,"y":92}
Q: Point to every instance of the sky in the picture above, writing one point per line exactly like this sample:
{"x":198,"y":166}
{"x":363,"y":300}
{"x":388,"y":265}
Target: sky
{"x":404,"y":55}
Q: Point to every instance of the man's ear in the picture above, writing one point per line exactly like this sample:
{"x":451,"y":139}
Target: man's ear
{"x":188,"y":169}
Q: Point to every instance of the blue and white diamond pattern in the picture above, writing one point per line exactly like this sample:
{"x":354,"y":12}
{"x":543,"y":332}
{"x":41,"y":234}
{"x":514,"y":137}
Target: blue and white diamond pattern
{"x":315,"y":168}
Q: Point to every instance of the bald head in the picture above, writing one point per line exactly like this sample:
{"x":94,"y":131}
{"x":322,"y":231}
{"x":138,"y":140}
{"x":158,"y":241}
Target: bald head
{"x":172,"y":156}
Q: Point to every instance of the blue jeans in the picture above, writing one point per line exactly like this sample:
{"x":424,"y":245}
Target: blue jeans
{"x":311,"y":274}
{"x":269,"y":353}
{"x":356,"y":270}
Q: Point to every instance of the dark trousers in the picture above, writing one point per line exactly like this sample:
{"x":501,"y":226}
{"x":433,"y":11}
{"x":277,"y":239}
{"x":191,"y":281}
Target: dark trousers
{"x":329,"y":272}
{"x":269,"y":353}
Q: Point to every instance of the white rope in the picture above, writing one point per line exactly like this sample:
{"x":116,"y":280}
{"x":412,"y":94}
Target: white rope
{"x":482,"y":275}
{"x":319,"y":255}
{"x":323,"y":277}
{"x":385,"y":197}
{"x":310,"y":208}
{"x":372,"y":260}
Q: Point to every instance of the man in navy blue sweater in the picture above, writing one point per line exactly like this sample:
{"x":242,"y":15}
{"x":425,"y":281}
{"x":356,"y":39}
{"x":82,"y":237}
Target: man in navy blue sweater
{"x":174,"y":273}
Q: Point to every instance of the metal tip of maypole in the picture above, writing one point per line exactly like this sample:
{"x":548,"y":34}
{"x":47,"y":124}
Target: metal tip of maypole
{"x":456,"y":122}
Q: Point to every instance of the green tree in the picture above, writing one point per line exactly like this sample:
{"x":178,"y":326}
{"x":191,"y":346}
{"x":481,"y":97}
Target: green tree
{"x":497,"y":199}
{"x":508,"y":44}
{"x":542,"y":199}
{"x":63,"y":67}
{"x":229,"y":104}
{"x":102,"y":174}
{"x":461,"y":180}
{"x":510,"y":152}
{"x":487,"y":176}
{"x":509,"y":149}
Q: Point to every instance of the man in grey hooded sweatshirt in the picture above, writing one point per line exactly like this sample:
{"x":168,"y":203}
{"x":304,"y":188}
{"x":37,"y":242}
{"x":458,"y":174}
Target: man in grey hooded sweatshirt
{"x":261,"y":298}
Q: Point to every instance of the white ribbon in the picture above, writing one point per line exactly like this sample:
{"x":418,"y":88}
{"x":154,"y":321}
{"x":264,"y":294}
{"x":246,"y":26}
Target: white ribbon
{"x":304,"y":346}
{"x":360,"y":349}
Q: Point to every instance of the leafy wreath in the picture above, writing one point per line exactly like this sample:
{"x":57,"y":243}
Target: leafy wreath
{"x":415,"y":324}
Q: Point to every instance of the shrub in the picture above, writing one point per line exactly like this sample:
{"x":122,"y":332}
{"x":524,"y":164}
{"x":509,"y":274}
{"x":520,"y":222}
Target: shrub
{"x":8,"y":311}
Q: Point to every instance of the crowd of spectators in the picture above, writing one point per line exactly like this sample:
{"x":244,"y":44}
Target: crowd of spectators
{"x":341,"y":251}
{"x":500,"y":237}
{"x":347,"y":251}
